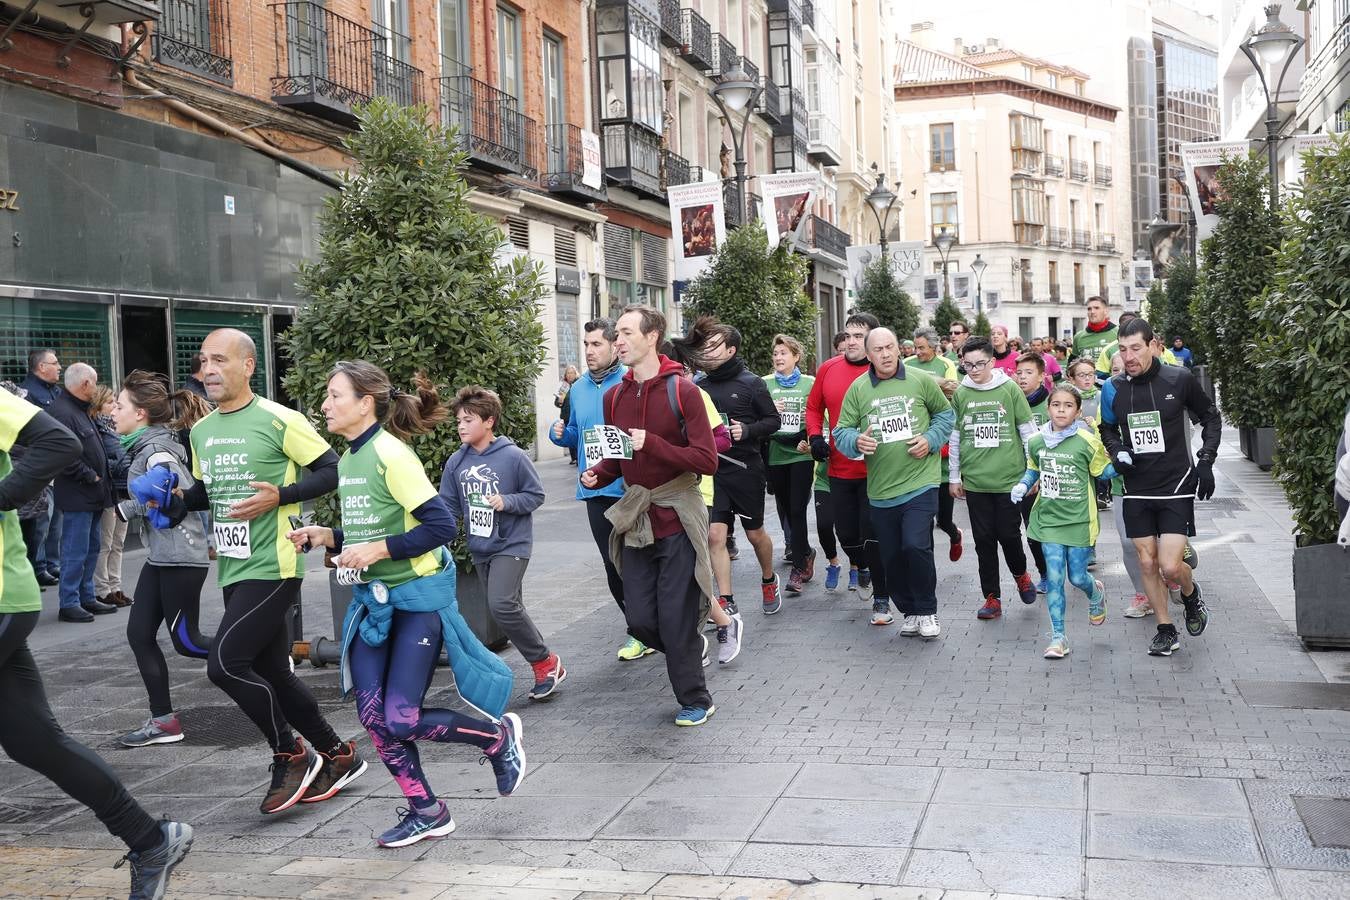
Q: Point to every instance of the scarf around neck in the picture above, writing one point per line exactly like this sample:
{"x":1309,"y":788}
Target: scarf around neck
{"x":789,"y":381}
{"x":599,"y":377}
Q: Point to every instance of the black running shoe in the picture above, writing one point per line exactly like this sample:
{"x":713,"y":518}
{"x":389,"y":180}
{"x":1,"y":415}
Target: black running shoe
{"x":1165,"y":641}
{"x":1197,"y":616}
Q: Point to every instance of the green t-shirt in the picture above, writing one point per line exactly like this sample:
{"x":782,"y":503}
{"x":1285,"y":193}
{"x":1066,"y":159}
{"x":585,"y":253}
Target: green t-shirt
{"x":938,"y":365}
{"x":1065,"y":511}
{"x":264,"y":441}
{"x":19,"y":592}
{"x":1090,"y":343}
{"x":379,"y":486}
{"x":792,"y":417}
{"x":1040,"y":413}
{"x":898,"y":409}
{"x":992,"y":457}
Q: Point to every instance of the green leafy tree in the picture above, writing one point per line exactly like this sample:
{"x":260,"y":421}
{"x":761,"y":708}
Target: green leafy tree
{"x":944,"y":314}
{"x":982,"y":326}
{"x":1302,"y":339}
{"x":406,"y":279}
{"x":1237,"y":265}
{"x":759,"y":291}
{"x":1170,"y":313}
{"x":881,"y":295}
{"x":1153,"y":303}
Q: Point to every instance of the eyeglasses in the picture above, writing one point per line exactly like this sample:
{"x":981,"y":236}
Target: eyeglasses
{"x":973,"y":366}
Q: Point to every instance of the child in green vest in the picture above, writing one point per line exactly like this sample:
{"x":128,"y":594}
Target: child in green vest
{"x":1030,"y":377}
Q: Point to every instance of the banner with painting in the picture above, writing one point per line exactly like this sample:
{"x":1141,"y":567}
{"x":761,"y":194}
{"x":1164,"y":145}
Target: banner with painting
{"x":1202,"y":179}
{"x":905,"y":257}
{"x":699,"y":223}
{"x":788,"y":197}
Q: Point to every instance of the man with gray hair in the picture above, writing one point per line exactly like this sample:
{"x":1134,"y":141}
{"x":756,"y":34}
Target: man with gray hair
{"x":82,"y":491}
{"x":43,"y":385}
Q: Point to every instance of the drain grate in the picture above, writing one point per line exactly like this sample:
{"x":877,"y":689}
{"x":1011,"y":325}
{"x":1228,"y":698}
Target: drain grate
{"x":219,"y":726}
{"x":1327,"y":820}
{"x":1295,"y":694}
{"x":1233,"y":503}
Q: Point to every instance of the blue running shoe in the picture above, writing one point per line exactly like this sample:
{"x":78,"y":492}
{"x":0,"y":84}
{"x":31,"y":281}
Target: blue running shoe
{"x":150,"y":869}
{"x":852,"y":579}
{"x":414,"y":826}
{"x":508,"y":755}
{"x":690,"y":716}
{"x":831,"y":577}
{"x":1041,"y":586}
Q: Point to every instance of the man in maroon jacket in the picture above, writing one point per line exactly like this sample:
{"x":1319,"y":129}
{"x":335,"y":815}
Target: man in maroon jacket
{"x":848,"y":477}
{"x":666,"y":442}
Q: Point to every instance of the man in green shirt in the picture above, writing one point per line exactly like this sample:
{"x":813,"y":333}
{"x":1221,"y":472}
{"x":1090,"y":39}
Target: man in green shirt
{"x":1099,"y":332}
{"x":926,"y":356}
{"x":897,"y":421}
{"x":926,"y":359}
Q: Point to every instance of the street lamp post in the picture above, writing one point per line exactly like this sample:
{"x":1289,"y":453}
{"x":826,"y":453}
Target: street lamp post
{"x":978,"y":267}
{"x":1272,"y":44}
{"x":944,"y":243}
{"x":880,"y":201}
{"x":737,"y":93}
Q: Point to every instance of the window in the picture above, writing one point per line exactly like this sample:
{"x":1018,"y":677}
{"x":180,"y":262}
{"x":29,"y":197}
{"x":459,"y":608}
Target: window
{"x":942,"y":211}
{"x":454,"y":37}
{"x":1027,"y":141}
{"x":391,"y":16}
{"x":555,"y":111}
{"x":1343,"y":118}
{"x":1028,"y":208}
{"x":1074,"y":221}
{"x":688,"y":133}
{"x":1054,"y":81}
{"x":1054,"y":280}
{"x":508,"y":52}
{"x":942,"y":147}
{"x":1097,"y":158}
{"x":1073,"y":149}
{"x":1101,"y":280}
{"x":1028,"y":73}
{"x":1078,"y":88}
{"x":1099,"y":217}
{"x":734,"y":23}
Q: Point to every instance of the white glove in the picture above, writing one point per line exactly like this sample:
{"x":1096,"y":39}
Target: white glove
{"x":1124,"y":458}
{"x":1019,"y":492}
{"x":348,"y":577}
{"x":1343,"y":538}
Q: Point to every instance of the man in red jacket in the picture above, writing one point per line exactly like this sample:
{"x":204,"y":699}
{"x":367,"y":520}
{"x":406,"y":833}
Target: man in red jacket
{"x":848,"y":477}
{"x":665,"y":440}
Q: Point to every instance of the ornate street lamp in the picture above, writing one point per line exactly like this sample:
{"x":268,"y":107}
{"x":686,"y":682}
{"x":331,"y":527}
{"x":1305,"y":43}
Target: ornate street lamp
{"x":978,"y":267}
{"x":880,"y":201}
{"x":944,"y":243}
{"x":1272,"y":44}
{"x":736,"y":93}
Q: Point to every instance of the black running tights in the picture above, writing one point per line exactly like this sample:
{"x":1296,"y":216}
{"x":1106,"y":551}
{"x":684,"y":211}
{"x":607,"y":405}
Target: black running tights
{"x":165,"y":595}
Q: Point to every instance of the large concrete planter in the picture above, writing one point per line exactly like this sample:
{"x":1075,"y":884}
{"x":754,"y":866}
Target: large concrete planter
{"x":1322,"y":596}
{"x":1245,"y":441}
{"x":1206,"y":383}
{"x":1263,"y":447}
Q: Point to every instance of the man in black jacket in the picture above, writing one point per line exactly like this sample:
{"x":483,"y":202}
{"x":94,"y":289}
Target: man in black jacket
{"x":43,"y":385}
{"x":83,"y":490}
{"x":738,"y":487}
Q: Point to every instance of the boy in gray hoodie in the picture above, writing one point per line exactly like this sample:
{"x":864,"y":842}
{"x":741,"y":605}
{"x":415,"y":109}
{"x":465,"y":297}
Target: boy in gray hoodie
{"x":492,"y":490}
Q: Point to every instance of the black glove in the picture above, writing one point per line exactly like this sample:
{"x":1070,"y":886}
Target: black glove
{"x":820,"y":450}
{"x":1204,"y":471}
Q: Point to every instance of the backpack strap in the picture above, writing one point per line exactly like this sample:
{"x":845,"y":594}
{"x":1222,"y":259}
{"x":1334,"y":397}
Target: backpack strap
{"x":676,"y":404}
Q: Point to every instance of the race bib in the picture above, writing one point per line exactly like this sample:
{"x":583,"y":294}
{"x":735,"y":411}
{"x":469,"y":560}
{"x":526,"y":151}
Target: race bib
{"x":1146,"y":433}
{"x":590,"y":447}
{"x":232,"y":539}
{"x":726,"y":423}
{"x":481,"y":516}
{"x":614,"y":443}
{"x":790,"y":418}
{"x":986,"y":435}
{"x":892,"y":427}
{"x":1050,"y":485}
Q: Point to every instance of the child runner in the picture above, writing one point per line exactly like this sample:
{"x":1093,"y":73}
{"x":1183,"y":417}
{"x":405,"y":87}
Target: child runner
{"x":491,"y":486}
{"x":1030,"y":377}
{"x":1083,"y":375}
{"x":169,"y":590}
{"x":403,"y":606}
{"x":791,"y":470}
{"x":1065,"y":457}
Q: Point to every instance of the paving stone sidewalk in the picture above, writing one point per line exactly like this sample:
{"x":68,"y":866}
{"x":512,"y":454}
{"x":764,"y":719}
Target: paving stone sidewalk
{"x":843,"y":757}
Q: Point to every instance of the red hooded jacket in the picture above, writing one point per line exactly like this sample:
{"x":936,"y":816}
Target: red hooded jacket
{"x":833,"y":379}
{"x":668,"y":449}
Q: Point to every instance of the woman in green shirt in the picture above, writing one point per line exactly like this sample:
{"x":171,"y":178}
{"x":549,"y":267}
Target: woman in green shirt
{"x":791,"y":469}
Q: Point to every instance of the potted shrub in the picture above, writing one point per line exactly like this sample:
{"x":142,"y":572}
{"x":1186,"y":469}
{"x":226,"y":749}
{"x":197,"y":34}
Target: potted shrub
{"x":881,"y":295}
{"x":1303,"y":337}
{"x":407,"y":278}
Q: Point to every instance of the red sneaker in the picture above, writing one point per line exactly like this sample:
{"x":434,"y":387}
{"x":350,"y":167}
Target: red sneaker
{"x":548,"y":674}
{"x":794,"y":585}
{"x":957,"y":547}
{"x":809,"y":572}
{"x":992,"y":608}
{"x":1026,"y":588}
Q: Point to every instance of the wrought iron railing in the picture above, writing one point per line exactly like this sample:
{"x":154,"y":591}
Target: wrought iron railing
{"x":1056,"y":237}
{"x":809,"y":13}
{"x":696,"y":40}
{"x":1104,"y":292}
{"x":533,"y":149}
{"x":1082,"y":240}
{"x":768,"y":102}
{"x":676,"y":168}
{"x":725,"y":56}
{"x":194,"y":35}
{"x":489,"y":121}
{"x":1106,"y":242}
{"x":1101,"y":174}
{"x":1079,"y":293}
{"x":1078,"y":169}
{"x":827,"y":238}
{"x":1052,"y":165}
{"x":1054,"y":293}
{"x":1028,"y":288}
{"x":565,"y":160}
{"x":633,"y":157}
{"x":749,"y":68}
{"x":670,"y":23}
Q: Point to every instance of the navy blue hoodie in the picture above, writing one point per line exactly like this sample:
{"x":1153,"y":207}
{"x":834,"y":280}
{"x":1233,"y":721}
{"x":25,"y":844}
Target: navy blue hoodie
{"x":502,"y":468}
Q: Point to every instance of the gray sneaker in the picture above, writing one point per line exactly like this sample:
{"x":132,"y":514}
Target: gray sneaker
{"x":729,"y":644}
{"x":156,"y":730}
{"x":150,"y":870}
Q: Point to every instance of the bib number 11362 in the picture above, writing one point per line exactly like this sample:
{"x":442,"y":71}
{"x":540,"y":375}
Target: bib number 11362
{"x":232,"y":539}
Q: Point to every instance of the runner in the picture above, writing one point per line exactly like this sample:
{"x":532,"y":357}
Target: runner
{"x":579,"y":432}
{"x":1030,"y":377}
{"x":1083,"y":375}
{"x":897,"y":418}
{"x":957,"y":332}
{"x":1099,"y":331}
{"x":744,"y":404}
{"x":790,"y":470}
{"x":660,"y":540}
{"x":29,"y":733}
{"x":1004,"y":353}
{"x":925,"y":358}
{"x":987,"y":457}
{"x":1139,"y":607}
{"x":390,"y":548}
{"x":246,"y":457}
{"x":825,"y":532}
{"x":848,"y":475}
{"x":1143,"y":426}
{"x":169,"y":590}
{"x":1064,"y":459}
{"x":492,"y":490}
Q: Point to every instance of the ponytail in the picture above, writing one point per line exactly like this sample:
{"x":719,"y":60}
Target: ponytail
{"x":418,"y":412}
{"x":188,"y":409}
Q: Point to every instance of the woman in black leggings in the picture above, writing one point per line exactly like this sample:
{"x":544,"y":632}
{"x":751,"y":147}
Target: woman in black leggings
{"x":29,"y":733}
{"x":169,"y":590}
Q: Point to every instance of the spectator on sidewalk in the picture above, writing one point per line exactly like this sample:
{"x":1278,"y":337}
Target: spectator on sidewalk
{"x":1182,"y":352}
{"x":112,"y":531}
{"x":83,"y":491}
{"x":43,"y":385}
{"x":194,"y":381}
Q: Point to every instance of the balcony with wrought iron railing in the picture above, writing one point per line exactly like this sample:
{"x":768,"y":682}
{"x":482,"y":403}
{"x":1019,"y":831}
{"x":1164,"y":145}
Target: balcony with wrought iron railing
{"x":823,"y":140}
{"x":696,"y":40}
{"x":724,"y":57}
{"x":676,"y":168}
{"x":326,"y":63}
{"x":792,"y":113}
{"x":1028,"y":285}
{"x":1104,"y":292}
{"x":1101,"y":174}
{"x":827,"y":238}
{"x":1056,"y":237}
{"x":194,"y":35}
{"x":809,"y":14}
{"x":1052,"y":165}
{"x":1106,"y":242}
{"x":670,"y":23}
{"x":633,"y":158}
{"x":754,"y":204}
{"x":1078,"y":169}
{"x":1082,"y":240}
{"x":768,"y":102}
{"x":488,"y":123}
{"x":749,"y":68}
{"x":1054,"y":292}
{"x":565,"y":165}
{"x":1079,"y":293}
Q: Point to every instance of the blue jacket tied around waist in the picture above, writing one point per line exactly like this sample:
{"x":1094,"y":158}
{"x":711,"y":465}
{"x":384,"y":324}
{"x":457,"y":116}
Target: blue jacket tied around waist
{"x":482,"y":679}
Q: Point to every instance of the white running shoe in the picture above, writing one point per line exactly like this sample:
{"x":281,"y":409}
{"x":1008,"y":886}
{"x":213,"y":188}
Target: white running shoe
{"x":929,"y":627}
{"x":910,"y":625}
{"x":1138,"y":608}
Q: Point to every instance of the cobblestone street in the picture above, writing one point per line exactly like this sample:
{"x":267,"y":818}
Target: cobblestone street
{"x":844,"y":760}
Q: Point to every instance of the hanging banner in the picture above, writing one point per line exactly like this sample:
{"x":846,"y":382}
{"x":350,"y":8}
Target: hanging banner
{"x":1141,"y":275}
{"x":698,"y":217}
{"x":787,"y":202}
{"x":590,"y":159}
{"x":1302,"y":144}
{"x":906,"y":260}
{"x":1202,"y":179}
